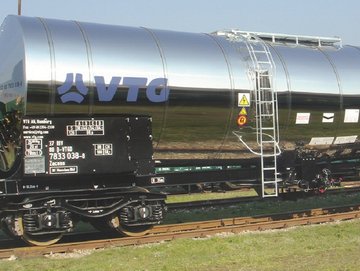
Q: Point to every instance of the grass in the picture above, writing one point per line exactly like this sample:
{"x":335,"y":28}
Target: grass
{"x":328,"y":247}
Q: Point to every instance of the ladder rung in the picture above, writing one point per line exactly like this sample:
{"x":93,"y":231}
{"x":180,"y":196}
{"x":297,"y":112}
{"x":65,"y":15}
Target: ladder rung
{"x":264,"y":88}
{"x":269,"y":167}
{"x":269,"y":182}
{"x":266,"y":115}
{"x":269,"y":155}
{"x":270,"y":195}
{"x":262,"y":100}
{"x":267,"y":128}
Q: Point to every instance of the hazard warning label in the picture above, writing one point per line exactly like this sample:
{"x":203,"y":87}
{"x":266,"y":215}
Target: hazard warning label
{"x":243,"y":99}
{"x":243,"y":111}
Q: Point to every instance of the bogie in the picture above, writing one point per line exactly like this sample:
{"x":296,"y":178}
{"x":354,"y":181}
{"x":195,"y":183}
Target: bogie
{"x":43,"y":221}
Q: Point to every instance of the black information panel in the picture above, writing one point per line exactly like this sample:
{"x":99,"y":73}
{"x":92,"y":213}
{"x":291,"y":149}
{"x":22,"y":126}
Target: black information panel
{"x":81,"y":145}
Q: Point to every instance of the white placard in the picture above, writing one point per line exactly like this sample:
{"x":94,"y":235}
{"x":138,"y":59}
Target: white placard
{"x":328,"y":117}
{"x":243,"y":99}
{"x":103,"y":149}
{"x":351,"y":116}
{"x":345,"y":139}
{"x":86,"y":128}
{"x":302,"y":118}
{"x":321,"y":141}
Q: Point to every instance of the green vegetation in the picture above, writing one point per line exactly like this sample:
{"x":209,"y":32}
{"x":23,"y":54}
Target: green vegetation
{"x":327,"y":247}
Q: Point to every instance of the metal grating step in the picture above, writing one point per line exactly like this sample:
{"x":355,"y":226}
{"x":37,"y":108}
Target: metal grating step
{"x":283,"y":38}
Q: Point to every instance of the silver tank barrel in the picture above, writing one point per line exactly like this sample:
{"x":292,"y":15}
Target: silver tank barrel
{"x":189,"y":83}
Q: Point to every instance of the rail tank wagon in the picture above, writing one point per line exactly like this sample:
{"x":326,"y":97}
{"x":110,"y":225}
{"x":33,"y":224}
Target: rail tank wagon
{"x":94,"y":114}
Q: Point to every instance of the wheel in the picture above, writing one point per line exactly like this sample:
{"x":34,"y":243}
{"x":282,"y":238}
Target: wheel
{"x":42,"y":240}
{"x":130,"y":231}
{"x":113,"y":224}
{"x":45,"y":239}
{"x":134,"y":231}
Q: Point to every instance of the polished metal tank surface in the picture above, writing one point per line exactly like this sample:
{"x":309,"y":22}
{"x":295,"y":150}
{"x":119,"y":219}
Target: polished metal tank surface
{"x":188,"y":83}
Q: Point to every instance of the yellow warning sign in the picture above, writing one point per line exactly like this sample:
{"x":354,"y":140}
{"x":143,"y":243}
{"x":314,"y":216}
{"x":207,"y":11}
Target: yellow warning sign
{"x":243,"y":111}
{"x":243,"y":99}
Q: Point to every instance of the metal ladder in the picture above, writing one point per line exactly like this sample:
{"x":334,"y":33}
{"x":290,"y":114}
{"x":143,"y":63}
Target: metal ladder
{"x":267,"y":124}
{"x":267,"y":119}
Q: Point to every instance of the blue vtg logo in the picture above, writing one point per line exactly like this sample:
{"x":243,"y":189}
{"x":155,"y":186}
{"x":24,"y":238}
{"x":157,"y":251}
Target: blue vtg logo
{"x":156,"y":90}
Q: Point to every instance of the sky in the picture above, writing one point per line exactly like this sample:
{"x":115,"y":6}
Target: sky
{"x":325,"y":18}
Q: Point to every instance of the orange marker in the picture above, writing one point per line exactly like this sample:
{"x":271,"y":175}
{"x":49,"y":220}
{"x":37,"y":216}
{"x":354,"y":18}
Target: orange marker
{"x":241,"y":120}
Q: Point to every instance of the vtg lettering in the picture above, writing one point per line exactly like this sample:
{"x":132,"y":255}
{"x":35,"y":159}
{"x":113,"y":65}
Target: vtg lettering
{"x":156,"y":90}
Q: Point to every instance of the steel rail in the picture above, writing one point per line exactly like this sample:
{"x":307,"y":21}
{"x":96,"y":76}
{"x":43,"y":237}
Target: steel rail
{"x":199,"y":230}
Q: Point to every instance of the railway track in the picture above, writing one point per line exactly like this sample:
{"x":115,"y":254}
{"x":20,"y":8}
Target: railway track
{"x":198,"y":230}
